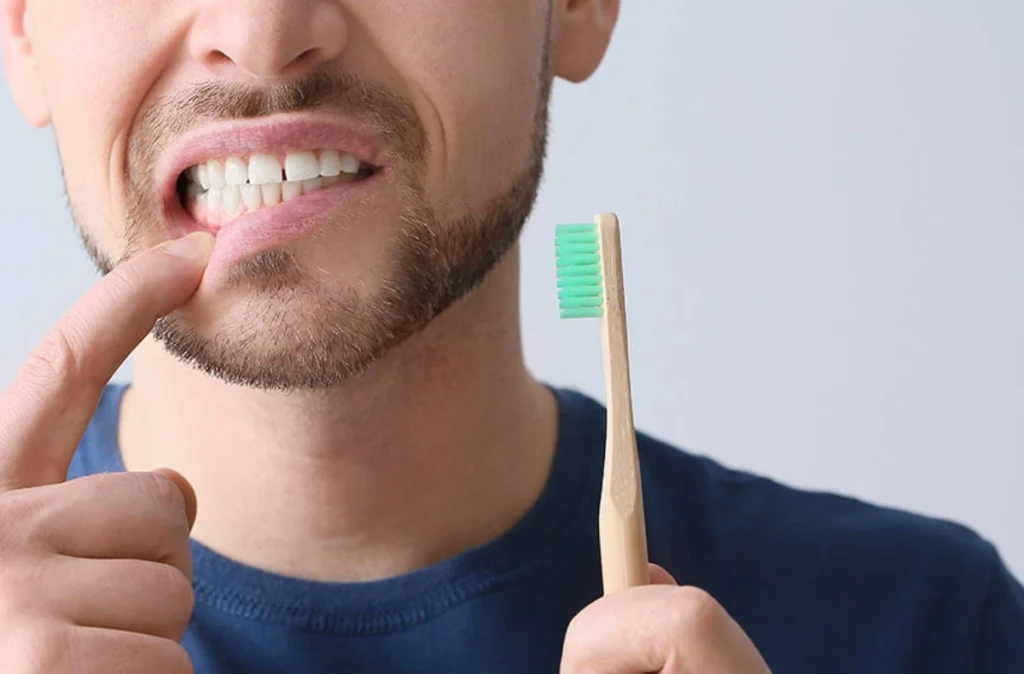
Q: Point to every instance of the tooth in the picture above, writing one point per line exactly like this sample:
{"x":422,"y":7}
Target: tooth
{"x":349,"y":164}
{"x":235,"y":171}
{"x":215,"y":173}
{"x":203,"y":176}
{"x":214,"y":199}
{"x":330,"y":180}
{"x":290,"y":190}
{"x":201,"y":202}
{"x":301,"y":166}
{"x":264,"y":169}
{"x":312,"y":185}
{"x":252,"y":197}
{"x":271,"y":194}
{"x":232,"y":200}
{"x":330,"y":163}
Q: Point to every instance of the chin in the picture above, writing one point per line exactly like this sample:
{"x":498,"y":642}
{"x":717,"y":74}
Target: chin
{"x":288,"y":339}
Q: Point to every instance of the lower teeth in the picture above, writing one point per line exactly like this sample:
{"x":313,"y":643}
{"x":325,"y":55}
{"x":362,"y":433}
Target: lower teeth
{"x":232,"y":201}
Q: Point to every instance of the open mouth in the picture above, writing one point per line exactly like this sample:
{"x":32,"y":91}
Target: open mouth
{"x":222,"y":189}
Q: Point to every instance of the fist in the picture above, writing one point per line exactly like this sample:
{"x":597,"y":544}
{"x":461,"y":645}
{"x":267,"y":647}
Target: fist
{"x":96,"y":573}
{"x":659,"y":628}
{"x":95,"y":576}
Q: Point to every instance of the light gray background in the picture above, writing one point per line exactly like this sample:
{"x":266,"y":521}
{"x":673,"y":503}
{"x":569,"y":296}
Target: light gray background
{"x":823,"y":212}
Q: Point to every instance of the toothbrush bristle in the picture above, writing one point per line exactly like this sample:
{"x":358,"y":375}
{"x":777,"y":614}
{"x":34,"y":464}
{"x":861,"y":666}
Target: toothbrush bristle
{"x":578,"y":258}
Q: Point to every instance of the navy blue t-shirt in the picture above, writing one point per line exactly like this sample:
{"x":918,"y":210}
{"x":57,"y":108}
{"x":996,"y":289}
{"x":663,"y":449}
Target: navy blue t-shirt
{"x":821,"y":583}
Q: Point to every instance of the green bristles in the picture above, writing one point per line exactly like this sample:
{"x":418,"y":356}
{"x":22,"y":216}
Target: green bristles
{"x":578,"y":258}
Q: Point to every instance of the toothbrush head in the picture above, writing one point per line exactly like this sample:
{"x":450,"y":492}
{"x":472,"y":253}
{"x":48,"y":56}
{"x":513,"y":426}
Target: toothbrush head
{"x":578,"y":259}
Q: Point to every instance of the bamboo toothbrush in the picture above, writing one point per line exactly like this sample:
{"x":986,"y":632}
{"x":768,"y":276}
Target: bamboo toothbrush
{"x":589,"y":261}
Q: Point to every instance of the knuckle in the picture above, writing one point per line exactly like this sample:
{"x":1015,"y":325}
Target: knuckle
{"x":61,"y":362}
{"x":163,"y":492}
{"x":54,"y":360}
{"x":178,"y":660}
{"x":176,"y":592}
{"x":692,"y":611}
{"x":575,"y":635}
{"x":75,"y":653}
{"x":577,"y":648}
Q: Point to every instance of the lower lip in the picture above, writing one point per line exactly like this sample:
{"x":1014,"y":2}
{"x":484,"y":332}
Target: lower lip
{"x":271,"y":227}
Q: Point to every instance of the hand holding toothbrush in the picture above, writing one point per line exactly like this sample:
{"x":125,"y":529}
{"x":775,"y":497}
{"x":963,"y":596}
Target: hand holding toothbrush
{"x":645,"y":622}
{"x":660,"y":628}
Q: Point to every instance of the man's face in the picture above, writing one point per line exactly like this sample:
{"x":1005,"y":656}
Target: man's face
{"x":363,"y":163}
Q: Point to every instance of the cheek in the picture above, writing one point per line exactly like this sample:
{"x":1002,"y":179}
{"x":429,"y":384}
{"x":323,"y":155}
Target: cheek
{"x":98,"y":60}
{"x":475,"y":65}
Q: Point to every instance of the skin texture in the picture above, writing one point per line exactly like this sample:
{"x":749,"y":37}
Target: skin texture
{"x":297,"y":390}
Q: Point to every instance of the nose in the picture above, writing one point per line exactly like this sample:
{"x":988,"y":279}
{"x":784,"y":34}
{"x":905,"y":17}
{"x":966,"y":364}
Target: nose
{"x":267,"y":39}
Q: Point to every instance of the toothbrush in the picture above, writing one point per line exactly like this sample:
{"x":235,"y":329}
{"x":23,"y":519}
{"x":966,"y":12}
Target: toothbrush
{"x":589,"y":262}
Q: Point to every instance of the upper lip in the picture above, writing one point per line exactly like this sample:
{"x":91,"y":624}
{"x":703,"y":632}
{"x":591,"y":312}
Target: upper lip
{"x":267,"y":136}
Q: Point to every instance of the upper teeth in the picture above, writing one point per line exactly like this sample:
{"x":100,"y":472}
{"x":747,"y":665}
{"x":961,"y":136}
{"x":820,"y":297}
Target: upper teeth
{"x":218,"y":190}
{"x":266,"y":169}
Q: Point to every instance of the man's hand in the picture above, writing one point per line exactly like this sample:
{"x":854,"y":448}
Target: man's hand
{"x":660,"y":628}
{"x":96,"y":573}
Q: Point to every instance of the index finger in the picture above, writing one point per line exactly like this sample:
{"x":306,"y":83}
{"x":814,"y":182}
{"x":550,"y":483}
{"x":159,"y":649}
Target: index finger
{"x":44,"y":412}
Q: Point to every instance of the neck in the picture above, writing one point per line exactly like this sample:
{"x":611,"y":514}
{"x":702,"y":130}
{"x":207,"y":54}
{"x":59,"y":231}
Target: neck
{"x":441,"y":447}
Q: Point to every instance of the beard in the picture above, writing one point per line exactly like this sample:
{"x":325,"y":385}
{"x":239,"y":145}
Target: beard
{"x":300,"y":335}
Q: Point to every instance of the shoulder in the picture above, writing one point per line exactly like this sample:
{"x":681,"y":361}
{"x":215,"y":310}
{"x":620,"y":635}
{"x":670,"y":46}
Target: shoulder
{"x":728,"y":510}
{"x":823,"y":564}
{"x":858,"y":580}
{"x":738,"y":512}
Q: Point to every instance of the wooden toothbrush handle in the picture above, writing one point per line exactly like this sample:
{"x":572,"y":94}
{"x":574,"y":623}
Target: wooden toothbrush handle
{"x":621,"y":518}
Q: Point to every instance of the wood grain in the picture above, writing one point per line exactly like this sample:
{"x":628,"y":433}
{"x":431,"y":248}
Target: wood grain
{"x":621,"y":518}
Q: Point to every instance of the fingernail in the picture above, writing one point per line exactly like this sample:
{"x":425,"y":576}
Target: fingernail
{"x":196,"y":245}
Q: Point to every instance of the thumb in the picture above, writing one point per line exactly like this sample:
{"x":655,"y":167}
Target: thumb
{"x":659,"y":576}
{"x":191,"y":505}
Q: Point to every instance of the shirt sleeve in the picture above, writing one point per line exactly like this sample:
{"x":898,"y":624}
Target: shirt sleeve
{"x":1000,"y":645}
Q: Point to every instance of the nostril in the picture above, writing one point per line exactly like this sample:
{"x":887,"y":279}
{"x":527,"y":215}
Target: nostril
{"x":303,"y":59}
{"x":217,"y":58}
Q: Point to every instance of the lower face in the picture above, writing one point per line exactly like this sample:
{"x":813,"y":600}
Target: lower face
{"x":351,"y":204}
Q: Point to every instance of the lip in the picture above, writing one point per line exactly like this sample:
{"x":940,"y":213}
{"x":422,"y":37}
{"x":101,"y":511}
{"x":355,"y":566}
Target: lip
{"x":270,"y":135}
{"x":267,"y":227}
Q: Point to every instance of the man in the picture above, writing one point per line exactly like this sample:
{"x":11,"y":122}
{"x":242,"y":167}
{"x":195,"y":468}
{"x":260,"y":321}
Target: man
{"x":382,"y":485}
